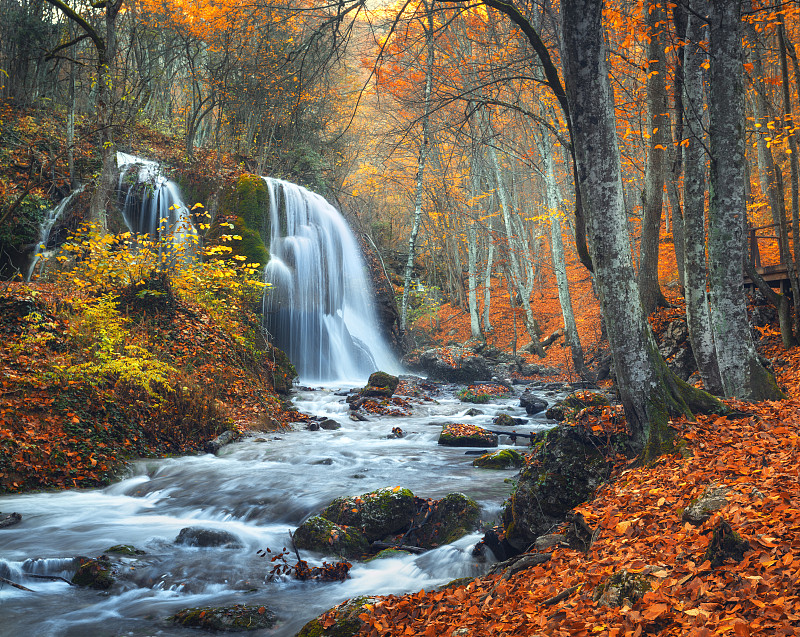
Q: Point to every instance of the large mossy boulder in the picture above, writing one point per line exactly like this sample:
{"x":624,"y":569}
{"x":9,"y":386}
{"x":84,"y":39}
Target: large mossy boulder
{"x":503,"y":459}
{"x":380,"y":385}
{"x":323,"y":536}
{"x":232,"y":619}
{"x":446,"y":520}
{"x":378,"y":514}
{"x":346,"y":621}
{"x":459,"y":435}
{"x":568,"y":466}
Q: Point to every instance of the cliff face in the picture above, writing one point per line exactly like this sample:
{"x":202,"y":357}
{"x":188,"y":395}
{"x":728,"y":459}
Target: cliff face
{"x":385,"y":302}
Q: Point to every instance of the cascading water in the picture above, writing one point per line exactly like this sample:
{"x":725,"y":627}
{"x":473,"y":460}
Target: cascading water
{"x":318,"y":306}
{"x":46,"y":228}
{"x":153,"y":204}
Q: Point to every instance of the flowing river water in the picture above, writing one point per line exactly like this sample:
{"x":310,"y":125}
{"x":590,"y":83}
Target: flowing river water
{"x":258,"y":489}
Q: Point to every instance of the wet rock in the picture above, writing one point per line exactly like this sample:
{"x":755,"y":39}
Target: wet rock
{"x":454,"y":365}
{"x":378,"y":514}
{"x":532,"y":404}
{"x":575,"y":402}
{"x":94,"y":573}
{"x":621,"y":588}
{"x":232,"y":619}
{"x":472,"y":411}
{"x":330,"y":424}
{"x":324,"y":461}
{"x":124,"y":549}
{"x":312,"y":426}
{"x":503,"y":459}
{"x":381,"y":384}
{"x":712,"y":500}
{"x":358,"y":417}
{"x":446,"y":520}
{"x":569,"y":465}
{"x":457,"y":435}
{"x":202,"y":537}
{"x":346,"y":621}
{"x":506,"y":420}
{"x":388,"y":553}
{"x":225,"y":438}
{"x":323,"y":536}
{"x":10,"y":520}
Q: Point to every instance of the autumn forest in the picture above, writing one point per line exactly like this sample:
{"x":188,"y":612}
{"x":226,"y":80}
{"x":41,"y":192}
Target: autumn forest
{"x":261,"y":262}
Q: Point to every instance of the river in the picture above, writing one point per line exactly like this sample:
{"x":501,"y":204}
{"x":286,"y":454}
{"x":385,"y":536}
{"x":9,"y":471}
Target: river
{"x":258,"y":489}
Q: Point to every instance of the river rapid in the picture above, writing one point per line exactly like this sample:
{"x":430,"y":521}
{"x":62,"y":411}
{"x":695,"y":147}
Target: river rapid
{"x":259,"y":490}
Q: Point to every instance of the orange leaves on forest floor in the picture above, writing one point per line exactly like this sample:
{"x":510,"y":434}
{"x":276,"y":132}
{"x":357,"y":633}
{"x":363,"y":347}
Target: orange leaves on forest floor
{"x":754,"y":453}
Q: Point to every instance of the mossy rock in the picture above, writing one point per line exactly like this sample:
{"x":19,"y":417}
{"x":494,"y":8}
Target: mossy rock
{"x":250,"y":201}
{"x":575,"y":402}
{"x":251,"y":245}
{"x":346,"y":619}
{"x":94,"y":573}
{"x":382,"y":379}
{"x":388,"y":553}
{"x":378,"y":514}
{"x":283,"y":372}
{"x":124,"y":549}
{"x":451,"y":518}
{"x":621,"y":588}
{"x":323,"y":536}
{"x":504,"y":420}
{"x":232,"y":619}
{"x":502,"y":459}
{"x":459,"y":435}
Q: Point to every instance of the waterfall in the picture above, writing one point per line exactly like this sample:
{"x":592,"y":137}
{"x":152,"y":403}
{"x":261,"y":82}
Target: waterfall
{"x":153,"y":204}
{"x":319,"y":304}
{"x":46,"y":227}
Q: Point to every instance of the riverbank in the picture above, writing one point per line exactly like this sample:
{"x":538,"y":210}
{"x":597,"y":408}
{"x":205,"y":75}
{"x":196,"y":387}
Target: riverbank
{"x":90,"y":382}
{"x":663,"y":559}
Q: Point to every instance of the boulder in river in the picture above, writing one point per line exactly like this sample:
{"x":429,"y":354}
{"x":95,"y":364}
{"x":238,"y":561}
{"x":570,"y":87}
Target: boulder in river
{"x":231,"y":619}
{"x":330,"y":424}
{"x":345,"y":616}
{"x":378,"y":514}
{"x":503,"y":459}
{"x":446,"y":520}
{"x":97,"y":573}
{"x":202,"y":537}
{"x":323,"y":536}
{"x":381,"y":385}
{"x":532,"y":404}
{"x":455,"y":365}
{"x":457,"y":435}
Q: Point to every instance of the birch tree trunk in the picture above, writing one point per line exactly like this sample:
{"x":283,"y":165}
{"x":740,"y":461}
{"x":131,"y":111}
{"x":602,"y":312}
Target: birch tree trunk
{"x":421,"y":159}
{"x":694,"y":173}
{"x":742,"y":374}
{"x":649,"y":392}
{"x":487,"y":279}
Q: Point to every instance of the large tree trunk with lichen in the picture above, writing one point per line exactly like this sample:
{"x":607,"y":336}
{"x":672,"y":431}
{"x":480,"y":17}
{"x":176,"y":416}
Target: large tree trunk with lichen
{"x":649,"y":392}
{"x":698,"y":318}
{"x":742,"y":374}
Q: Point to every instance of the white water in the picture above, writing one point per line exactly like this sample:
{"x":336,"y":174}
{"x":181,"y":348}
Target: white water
{"x":257,"y":491}
{"x":319,"y":306}
{"x":46,"y":228}
{"x":154,"y":205}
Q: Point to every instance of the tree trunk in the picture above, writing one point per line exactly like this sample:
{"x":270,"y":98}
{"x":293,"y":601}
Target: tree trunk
{"x":698,"y":317}
{"x":658,"y":127}
{"x":487,"y":279}
{"x":649,"y":392}
{"x":421,"y":159}
{"x":742,"y":374}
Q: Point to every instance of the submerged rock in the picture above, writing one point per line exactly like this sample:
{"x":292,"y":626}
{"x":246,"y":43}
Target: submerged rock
{"x":231,"y":619}
{"x":378,"y":514}
{"x":457,"y":435}
{"x":345,"y":616}
{"x":503,"y":459}
{"x":199,"y":536}
{"x":323,"y":536}
{"x":124,"y":549}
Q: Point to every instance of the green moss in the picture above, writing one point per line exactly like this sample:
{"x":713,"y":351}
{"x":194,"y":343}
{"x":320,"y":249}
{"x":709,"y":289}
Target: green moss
{"x":378,"y":513}
{"x":503,"y":459}
{"x":467,"y":396}
{"x":347,"y":622}
{"x":239,"y":618}
{"x":251,"y":245}
{"x":124,"y":549}
{"x":323,"y":536}
{"x":388,"y":553}
{"x":622,"y":588}
{"x":97,"y":573}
